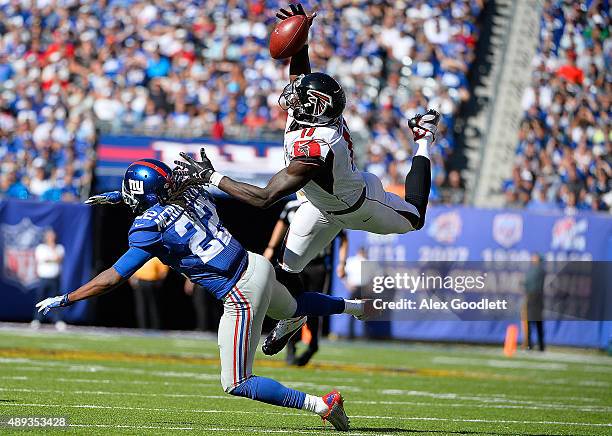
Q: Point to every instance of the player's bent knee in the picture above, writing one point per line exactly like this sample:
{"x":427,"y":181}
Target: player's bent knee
{"x":293,"y":262}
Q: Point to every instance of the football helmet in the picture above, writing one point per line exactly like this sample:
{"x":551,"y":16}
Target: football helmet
{"x":316,"y":99}
{"x":146,"y":183}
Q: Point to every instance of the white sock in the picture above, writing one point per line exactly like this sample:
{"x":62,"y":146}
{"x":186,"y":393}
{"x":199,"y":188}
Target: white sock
{"x":315,"y":404}
{"x":354,"y":307}
{"x":423,"y":145}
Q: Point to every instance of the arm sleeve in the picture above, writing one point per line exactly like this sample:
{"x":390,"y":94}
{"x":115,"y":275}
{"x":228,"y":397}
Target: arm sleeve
{"x":131,"y":261}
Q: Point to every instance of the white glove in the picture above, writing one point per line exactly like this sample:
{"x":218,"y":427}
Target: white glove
{"x":113,"y":197}
{"x":50,"y":303}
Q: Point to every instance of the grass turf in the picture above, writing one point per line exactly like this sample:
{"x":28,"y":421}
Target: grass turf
{"x":112,"y":382}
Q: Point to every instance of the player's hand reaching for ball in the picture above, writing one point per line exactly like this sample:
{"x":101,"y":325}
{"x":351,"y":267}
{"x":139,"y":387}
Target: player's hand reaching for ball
{"x":296,"y":9}
{"x":193,"y":169}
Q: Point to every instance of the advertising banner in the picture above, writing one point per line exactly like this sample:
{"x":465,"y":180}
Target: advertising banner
{"x":487,"y":236}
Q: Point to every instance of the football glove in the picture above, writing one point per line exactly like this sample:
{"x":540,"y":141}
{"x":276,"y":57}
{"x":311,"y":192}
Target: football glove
{"x":424,"y":125}
{"x":193,"y":169}
{"x":298,"y":9}
{"x":50,"y":303}
{"x":113,"y":197}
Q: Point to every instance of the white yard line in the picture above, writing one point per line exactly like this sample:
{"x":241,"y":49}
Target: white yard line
{"x":528,"y":406}
{"x":486,"y":421}
{"x":486,"y":399}
{"x":519,"y":364}
{"x":595,"y":409}
{"x":213,"y":429}
{"x":249,"y":412}
{"x":315,"y":386}
{"x":295,"y":384}
{"x":131,"y":427}
{"x":25,"y":364}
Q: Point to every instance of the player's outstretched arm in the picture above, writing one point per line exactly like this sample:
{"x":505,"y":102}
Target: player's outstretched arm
{"x":108,"y":279}
{"x":103,"y":282}
{"x":287,"y":181}
{"x":300,"y":62}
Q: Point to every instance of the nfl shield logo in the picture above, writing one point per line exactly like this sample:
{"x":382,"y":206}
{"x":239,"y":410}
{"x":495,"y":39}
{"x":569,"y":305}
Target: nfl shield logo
{"x":19,"y":242}
{"x":507,"y":229}
{"x":446,"y":227}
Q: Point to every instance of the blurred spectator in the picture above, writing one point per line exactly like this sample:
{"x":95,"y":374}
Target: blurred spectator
{"x":147,"y":284}
{"x":564,"y":155}
{"x":49,"y":257}
{"x":194,"y":68}
{"x":452,"y":191}
{"x":354,"y":281}
{"x":534,"y":292}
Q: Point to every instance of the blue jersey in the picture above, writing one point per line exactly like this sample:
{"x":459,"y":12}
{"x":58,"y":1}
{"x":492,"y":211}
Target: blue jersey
{"x":192,"y":241}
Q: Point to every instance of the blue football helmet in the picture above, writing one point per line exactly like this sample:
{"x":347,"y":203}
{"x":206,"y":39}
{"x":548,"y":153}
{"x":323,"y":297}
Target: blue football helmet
{"x":146,"y":183}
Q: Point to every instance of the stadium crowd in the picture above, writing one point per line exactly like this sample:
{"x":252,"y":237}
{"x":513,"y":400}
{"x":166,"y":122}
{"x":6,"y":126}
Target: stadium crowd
{"x":202,"y":68}
{"x":564,"y":154}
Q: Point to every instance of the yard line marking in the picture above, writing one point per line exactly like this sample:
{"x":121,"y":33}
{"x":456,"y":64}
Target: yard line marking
{"x":528,"y":406}
{"x":186,"y":360}
{"x":596,"y":409}
{"x":219,"y":429}
{"x":251,"y":412}
{"x":445,"y":396}
{"x":499,"y":363}
{"x":535,"y":364}
{"x":129,"y":394}
{"x":485,"y":421}
{"x":295,"y":384}
{"x":135,"y":427}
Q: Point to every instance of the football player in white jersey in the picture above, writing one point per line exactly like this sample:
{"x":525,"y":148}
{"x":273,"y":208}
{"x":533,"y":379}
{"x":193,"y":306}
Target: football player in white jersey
{"x":319,"y":162}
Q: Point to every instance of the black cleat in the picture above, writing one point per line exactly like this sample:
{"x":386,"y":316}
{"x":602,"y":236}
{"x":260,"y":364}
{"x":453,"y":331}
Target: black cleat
{"x":280,"y":335}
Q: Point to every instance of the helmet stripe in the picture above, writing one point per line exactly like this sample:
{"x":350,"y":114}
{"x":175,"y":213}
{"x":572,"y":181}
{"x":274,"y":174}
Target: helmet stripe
{"x":151,"y":165}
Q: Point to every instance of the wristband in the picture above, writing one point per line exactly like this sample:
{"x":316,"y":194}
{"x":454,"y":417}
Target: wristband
{"x":215,"y":178}
{"x":65,"y":301}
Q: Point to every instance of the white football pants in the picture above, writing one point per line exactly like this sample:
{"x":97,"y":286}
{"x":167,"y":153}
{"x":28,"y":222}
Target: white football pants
{"x":311,"y":230}
{"x":256,"y":294}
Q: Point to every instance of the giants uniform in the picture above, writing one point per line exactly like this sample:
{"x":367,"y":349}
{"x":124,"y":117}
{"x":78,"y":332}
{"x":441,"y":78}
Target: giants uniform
{"x":340,"y":196}
{"x":197,"y":245}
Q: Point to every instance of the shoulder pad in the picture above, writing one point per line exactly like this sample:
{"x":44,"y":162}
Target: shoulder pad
{"x":143,"y":234}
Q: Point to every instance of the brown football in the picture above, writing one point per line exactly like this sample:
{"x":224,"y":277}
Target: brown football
{"x":288,"y":37}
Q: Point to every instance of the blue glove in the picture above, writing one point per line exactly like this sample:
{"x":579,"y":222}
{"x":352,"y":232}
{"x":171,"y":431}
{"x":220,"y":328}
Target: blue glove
{"x":50,"y":303}
{"x":113,"y":197}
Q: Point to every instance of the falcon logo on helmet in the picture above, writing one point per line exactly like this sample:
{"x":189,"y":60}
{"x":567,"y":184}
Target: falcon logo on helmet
{"x":320,"y":102}
{"x":315,"y":99}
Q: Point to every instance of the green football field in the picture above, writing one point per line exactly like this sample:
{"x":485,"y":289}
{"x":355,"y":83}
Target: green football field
{"x":113,"y":382}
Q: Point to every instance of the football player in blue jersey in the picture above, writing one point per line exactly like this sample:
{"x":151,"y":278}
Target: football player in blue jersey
{"x":178,"y":223}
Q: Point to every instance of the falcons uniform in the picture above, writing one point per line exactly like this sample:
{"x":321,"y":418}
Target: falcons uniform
{"x":339,"y":196}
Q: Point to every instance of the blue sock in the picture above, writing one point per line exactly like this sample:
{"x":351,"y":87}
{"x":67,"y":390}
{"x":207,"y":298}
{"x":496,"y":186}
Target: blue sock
{"x":317,"y":304}
{"x":269,"y":391}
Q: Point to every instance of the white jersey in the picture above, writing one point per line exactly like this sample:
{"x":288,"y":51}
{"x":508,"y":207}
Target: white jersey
{"x":339,"y":184}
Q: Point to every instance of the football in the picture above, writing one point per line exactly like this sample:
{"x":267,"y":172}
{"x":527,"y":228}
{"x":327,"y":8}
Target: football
{"x":289,"y":36}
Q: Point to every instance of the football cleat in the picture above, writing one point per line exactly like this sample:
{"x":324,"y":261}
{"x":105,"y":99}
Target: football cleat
{"x":421,"y":125}
{"x":280,"y":335}
{"x":336,"y":414}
